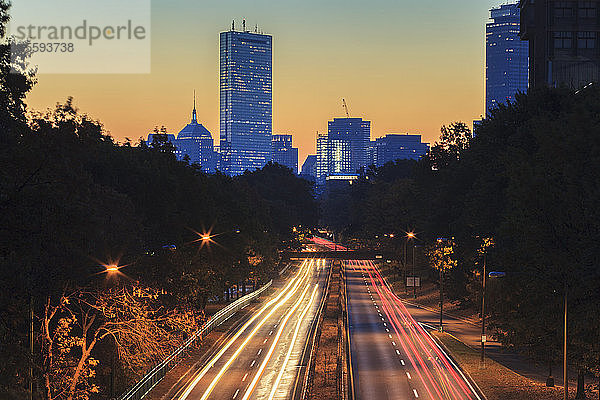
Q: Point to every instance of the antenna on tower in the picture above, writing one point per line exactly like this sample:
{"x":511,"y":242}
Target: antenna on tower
{"x":194,"y":115}
{"x":256,"y":28}
{"x":233,"y":25}
{"x":244,"y":25}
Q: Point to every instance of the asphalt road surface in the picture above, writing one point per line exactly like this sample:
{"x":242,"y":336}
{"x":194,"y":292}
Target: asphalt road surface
{"x":260,"y":360}
{"x":394,"y":357}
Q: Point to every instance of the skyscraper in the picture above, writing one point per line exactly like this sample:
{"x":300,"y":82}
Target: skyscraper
{"x":246,"y":100}
{"x":322,"y":168}
{"x":344,"y":149}
{"x":507,"y":56}
{"x":563,"y":42}
{"x":349,"y":140}
{"x":284,"y":153}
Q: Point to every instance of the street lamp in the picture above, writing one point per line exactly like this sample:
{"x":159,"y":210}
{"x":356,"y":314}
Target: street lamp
{"x":409,"y":236}
{"x":487,"y":242}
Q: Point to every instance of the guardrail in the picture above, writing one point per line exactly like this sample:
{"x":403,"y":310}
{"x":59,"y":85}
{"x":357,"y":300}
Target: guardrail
{"x":156,"y":374}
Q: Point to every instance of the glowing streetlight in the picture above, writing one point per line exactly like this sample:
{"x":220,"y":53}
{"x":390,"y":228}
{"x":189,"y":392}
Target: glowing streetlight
{"x":111,"y":268}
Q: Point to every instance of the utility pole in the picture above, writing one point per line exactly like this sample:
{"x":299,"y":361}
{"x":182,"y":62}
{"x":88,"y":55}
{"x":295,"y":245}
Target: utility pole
{"x":483,"y":338}
{"x":442,"y":299}
{"x":413,"y":273}
{"x":565,"y":378}
{"x":31,"y":347}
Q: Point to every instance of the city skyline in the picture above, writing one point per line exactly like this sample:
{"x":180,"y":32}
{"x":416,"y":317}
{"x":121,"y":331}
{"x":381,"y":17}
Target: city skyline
{"x":185,"y":56}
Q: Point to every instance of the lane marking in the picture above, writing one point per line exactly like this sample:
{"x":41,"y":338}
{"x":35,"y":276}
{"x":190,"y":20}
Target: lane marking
{"x":283,"y":324}
{"x":398,"y":352}
{"x":244,"y":378}
{"x":259,"y":351}
{"x":401,"y":361}
{"x":236,"y":393}
{"x":408,"y":374}
{"x":266,"y":340}
{"x":390,"y":336}
{"x":270,"y":333}
{"x":393,"y":343}
{"x":416,"y":394}
{"x":287,"y":292}
{"x":253,"y":362}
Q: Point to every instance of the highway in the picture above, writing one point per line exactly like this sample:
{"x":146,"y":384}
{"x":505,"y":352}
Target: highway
{"x":260,"y":360}
{"x":393,"y":356}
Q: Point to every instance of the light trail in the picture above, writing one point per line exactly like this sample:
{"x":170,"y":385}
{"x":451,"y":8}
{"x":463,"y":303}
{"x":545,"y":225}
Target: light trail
{"x":282,"y":326}
{"x":253,"y":332}
{"x":414,"y":340}
{"x":419,"y":332}
{"x":291,"y":347}
{"x":294,"y":281}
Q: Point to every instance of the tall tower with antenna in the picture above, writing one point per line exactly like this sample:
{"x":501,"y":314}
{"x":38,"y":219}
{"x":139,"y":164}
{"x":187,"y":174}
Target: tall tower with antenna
{"x":246,"y":100}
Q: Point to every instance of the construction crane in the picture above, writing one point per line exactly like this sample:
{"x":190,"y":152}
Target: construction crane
{"x":345,"y":108}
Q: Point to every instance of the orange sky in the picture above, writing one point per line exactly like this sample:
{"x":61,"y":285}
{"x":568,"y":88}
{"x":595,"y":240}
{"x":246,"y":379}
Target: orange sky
{"x":406,"y":66}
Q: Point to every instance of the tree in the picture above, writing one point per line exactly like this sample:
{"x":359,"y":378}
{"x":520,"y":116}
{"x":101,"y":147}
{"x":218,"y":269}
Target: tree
{"x":72,"y":327}
{"x":441,"y":258}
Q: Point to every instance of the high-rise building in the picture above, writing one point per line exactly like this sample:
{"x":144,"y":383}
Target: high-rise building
{"x":195,"y":142}
{"x":344,"y":149}
{"x":322,"y":167}
{"x":349,"y":140}
{"x":309,"y":168}
{"x":563,"y":42}
{"x":394,"y":147}
{"x":284,"y":153}
{"x":246,"y":100}
{"x":507,"y":56}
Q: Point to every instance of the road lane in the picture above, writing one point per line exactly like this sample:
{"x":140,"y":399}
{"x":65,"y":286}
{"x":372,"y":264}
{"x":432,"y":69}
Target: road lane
{"x":260,"y":359}
{"x":393,"y":357}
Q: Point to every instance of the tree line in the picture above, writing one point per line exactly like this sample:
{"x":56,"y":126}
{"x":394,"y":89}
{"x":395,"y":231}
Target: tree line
{"x":524,"y":192}
{"x":111,"y":252}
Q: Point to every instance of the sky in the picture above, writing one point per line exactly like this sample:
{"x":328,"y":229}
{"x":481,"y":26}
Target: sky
{"x":408,"y":66}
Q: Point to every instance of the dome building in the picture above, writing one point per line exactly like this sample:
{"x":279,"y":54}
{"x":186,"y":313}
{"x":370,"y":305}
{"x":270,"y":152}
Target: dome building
{"x":196,"y":142}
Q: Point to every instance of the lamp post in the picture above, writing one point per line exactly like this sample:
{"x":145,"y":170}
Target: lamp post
{"x":413,"y":274}
{"x":409,"y":236}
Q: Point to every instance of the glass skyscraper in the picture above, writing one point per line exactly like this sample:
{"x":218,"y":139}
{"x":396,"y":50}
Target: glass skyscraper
{"x":507,"y":56}
{"x":344,"y":149}
{"x":246,"y":100}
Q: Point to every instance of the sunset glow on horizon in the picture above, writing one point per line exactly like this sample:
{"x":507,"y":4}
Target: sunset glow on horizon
{"x":409,"y":67}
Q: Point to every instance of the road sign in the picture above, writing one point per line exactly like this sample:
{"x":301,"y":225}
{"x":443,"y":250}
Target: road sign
{"x":412,"y":281}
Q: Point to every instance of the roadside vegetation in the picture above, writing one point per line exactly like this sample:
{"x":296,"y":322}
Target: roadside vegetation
{"x":522,"y":195}
{"x":103,"y":265}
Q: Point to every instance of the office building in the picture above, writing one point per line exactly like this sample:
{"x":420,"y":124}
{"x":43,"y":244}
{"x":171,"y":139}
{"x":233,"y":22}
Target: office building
{"x":563,"y":42}
{"x":394,"y":147}
{"x":344,"y":149}
{"x":349,"y":139}
{"x":309,"y":168}
{"x":322,"y":166}
{"x":284,"y":153}
{"x":245,"y":100}
{"x":507,"y":57}
{"x":195,"y":143}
